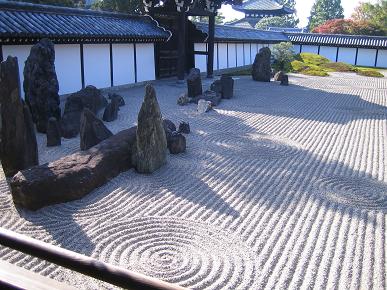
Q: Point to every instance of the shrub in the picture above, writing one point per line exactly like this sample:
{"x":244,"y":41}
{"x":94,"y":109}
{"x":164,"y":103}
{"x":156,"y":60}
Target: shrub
{"x":338,"y":66}
{"x":298,"y":66}
{"x":312,"y":58}
{"x":369,"y":72}
{"x":283,"y":54}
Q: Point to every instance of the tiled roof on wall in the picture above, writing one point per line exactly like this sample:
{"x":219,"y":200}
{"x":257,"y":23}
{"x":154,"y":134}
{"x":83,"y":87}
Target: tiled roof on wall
{"x":232,"y":33}
{"x":338,"y":40}
{"x":23,"y":20}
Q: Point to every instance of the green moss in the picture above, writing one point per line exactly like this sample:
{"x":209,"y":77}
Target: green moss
{"x":313,"y":59}
{"x":369,"y":72}
{"x":314,"y":72}
{"x":338,"y":66}
{"x":298,"y":66}
{"x":243,"y":72}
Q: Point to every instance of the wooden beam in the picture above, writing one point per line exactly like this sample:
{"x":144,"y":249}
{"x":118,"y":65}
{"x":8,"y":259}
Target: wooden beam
{"x":91,"y":267}
{"x":211,"y":40}
{"x":181,"y":46}
{"x":82,"y":65}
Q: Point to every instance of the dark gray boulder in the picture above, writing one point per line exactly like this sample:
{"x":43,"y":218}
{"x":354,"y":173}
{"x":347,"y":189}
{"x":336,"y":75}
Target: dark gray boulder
{"x":216,"y":86}
{"x":169,"y":125}
{"x":278,"y":76}
{"x":261,"y":67}
{"x":284,"y":80}
{"x":184,"y":128}
{"x":75,"y":175}
{"x":116,"y":98}
{"x":151,"y":143}
{"x":90,"y":98}
{"x":210,"y":96}
{"x":19,"y":149}
{"x":41,"y":84}
{"x":176,"y":143}
{"x":194,"y":83}
{"x":111,"y":112}
{"x":227,"y":84}
{"x":92,"y":130}
{"x":53,"y":132}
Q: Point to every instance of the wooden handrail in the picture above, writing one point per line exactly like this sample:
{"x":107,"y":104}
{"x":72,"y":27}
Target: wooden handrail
{"x":83,"y":264}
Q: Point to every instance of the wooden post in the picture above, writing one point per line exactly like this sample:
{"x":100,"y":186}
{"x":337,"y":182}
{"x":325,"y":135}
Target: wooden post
{"x":211,"y":37}
{"x":181,"y":46}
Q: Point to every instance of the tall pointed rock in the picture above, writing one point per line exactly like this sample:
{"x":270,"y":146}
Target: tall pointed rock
{"x":151,"y":143}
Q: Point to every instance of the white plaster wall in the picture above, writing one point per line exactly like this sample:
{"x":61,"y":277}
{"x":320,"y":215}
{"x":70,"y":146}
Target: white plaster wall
{"x":366,"y":57}
{"x":215,"y":65}
{"x":21,"y":52}
{"x":232,"y":55}
{"x":382,"y":58}
{"x":296,"y":48}
{"x":310,"y":48}
{"x":68,"y":67}
{"x":347,"y":54}
{"x":96,"y":59}
{"x":222,"y":55}
{"x":145,"y":62}
{"x":247,"y":54}
{"x":201,"y":62}
{"x":240,"y":54}
{"x":123,"y":64}
{"x":329,"y":52}
{"x":200,"y":47}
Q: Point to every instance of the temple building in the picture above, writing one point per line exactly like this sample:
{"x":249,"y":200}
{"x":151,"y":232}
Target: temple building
{"x":255,"y":10}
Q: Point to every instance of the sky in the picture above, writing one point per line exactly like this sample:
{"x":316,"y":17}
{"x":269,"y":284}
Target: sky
{"x":303,"y":10}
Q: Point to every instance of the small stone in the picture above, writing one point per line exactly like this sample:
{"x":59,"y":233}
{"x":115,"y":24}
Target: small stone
{"x":194,"y":83}
{"x":216,"y":86}
{"x":116,"y":98}
{"x":184,"y":128}
{"x":183,"y":100}
{"x":176,"y":143}
{"x":203,"y":106}
{"x":111,"y":111}
{"x":278,"y":76}
{"x":285,"y":80}
{"x":227,"y":83}
{"x":261,"y":67}
{"x":169,"y":125}
{"x":53,"y":132}
{"x":92,"y":130}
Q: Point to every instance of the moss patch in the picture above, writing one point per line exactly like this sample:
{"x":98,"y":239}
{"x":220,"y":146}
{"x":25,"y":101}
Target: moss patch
{"x":369,"y":72}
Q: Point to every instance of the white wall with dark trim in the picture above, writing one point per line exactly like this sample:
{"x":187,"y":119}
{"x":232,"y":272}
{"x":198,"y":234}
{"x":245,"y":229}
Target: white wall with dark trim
{"x":98,"y":69}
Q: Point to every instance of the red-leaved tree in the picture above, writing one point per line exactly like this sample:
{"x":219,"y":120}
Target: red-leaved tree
{"x":349,"y":26}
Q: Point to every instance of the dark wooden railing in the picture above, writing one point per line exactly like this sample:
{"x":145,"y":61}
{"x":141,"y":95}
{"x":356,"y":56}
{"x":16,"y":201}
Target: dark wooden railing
{"x":82,"y":264}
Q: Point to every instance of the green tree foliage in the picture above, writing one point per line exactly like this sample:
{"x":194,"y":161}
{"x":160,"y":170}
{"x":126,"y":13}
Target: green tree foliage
{"x":125,"y":6}
{"x":219,"y":19}
{"x":280,"y":21}
{"x":323,"y":10}
{"x":374,"y":14}
{"x":283,"y":55}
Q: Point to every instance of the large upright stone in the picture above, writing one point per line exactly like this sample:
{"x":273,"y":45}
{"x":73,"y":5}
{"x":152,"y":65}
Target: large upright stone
{"x":227,"y":83}
{"x":18,"y":141}
{"x":92,"y":130}
{"x":261,"y":67}
{"x":90,"y":98}
{"x":41,"y":84}
{"x":53,"y":132}
{"x":194,"y":83}
{"x":111,"y":111}
{"x":151,"y":143}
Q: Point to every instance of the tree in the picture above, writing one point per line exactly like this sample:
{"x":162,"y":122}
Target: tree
{"x":280,"y":21}
{"x":125,"y":6}
{"x":219,"y":18}
{"x":283,"y":55}
{"x":323,"y":10}
{"x":349,"y":26}
{"x":374,"y":14}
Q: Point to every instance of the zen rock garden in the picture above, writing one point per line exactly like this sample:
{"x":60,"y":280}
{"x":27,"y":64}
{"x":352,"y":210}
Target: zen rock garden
{"x":102,"y":155}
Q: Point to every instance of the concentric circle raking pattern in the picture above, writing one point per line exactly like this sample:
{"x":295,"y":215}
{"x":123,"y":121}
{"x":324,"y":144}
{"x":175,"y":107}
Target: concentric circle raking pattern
{"x":359,"y":193}
{"x":190,"y":253}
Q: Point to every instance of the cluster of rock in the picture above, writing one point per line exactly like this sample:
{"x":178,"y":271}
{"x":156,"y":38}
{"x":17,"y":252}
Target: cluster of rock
{"x":18,"y":147}
{"x":282,"y":77}
{"x":220,"y":89}
{"x":143,"y":147}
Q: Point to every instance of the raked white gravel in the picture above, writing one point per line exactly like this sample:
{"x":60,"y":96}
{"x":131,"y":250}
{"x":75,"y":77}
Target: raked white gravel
{"x":280,"y":188}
